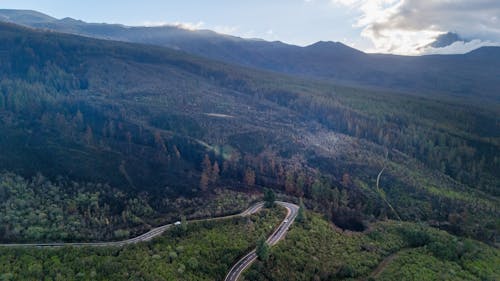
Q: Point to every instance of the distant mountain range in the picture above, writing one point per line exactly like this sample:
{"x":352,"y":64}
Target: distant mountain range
{"x":475,"y":74}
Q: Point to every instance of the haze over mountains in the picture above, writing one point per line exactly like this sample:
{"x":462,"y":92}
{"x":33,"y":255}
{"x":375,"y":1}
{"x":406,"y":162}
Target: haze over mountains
{"x":472,"y":75}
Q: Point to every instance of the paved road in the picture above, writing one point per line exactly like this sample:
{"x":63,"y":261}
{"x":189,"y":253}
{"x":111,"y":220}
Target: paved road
{"x":235,"y":271}
{"x":278,"y":234}
{"x":155,"y":232}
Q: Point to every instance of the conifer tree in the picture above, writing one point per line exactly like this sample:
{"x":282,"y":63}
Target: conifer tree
{"x":301,"y":216}
{"x":262,"y":250}
{"x":269,"y":198}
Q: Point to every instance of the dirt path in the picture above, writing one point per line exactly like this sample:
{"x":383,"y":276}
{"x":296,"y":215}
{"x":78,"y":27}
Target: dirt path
{"x":375,"y":273}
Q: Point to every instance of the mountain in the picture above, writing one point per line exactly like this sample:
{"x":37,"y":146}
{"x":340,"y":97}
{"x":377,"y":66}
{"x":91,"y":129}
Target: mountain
{"x":24,"y":17}
{"x":468,"y":76}
{"x":130,"y":134}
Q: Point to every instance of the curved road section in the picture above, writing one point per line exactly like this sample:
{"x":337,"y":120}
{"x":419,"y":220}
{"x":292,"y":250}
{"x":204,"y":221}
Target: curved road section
{"x":155,"y":232}
{"x":235,"y":271}
{"x":280,"y":232}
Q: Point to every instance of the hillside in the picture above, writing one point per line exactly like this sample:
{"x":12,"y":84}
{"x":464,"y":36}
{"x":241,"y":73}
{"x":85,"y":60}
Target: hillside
{"x":198,"y":251}
{"x":150,"y":126}
{"x":473,"y":76}
{"x":388,"y":251}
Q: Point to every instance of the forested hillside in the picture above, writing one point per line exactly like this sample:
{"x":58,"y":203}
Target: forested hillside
{"x":196,"y":251}
{"x":314,"y":250}
{"x":148,"y":125}
{"x":473,"y":76}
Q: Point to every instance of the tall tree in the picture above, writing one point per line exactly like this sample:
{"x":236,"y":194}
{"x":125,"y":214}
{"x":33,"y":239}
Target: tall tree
{"x":301,"y":216}
{"x":262,"y":250}
{"x":204,"y":180}
{"x":160,"y":143}
{"x":344,"y":198}
{"x":184,"y":224}
{"x":215,"y":173}
{"x":177,"y":152}
{"x":89,"y":136}
{"x":206,"y":174}
{"x":249,"y":178}
{"x":206,"y":164}
{"x":78,"y":120}
{"x":290,"y":182}
{"x":269,"y":197}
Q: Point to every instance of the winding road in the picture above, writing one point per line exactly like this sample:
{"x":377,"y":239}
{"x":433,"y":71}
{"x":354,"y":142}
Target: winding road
{"x":278,"y":234}
{"x":155,"y":232}
{"x":235,"y":271}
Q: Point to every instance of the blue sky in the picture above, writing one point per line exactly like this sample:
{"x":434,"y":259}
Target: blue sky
{"x":294,"y":21}
{"x":393,"y":26}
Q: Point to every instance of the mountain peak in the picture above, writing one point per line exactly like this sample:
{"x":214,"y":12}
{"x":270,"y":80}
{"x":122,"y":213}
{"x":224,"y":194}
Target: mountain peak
{"x":24,"y":16}
{"x":71,"y":21}
{"x":329,"y":46}
{"x":490,"y":52}
{"x":326,"y":44}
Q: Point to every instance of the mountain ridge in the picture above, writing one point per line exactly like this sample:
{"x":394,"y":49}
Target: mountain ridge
{"x":23,"y":17}
{"x":146,"y":120}
{"x":472,"y":77}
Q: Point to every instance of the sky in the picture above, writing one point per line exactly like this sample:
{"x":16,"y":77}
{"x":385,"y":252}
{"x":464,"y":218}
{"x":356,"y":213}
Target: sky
{"x":386,"y":26}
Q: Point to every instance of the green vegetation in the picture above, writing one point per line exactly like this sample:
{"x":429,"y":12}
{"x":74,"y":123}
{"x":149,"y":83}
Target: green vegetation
{"x":159,"y":126}
{"x":301,"y":215}
{"x":388,"y":251}
{"x":38,"y":210}
{"x":420,"y":264}
{"x":269,"y":198}
{"x":204,"y":251}
{"x":262,"y":249}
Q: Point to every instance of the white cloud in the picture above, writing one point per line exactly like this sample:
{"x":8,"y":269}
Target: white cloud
{"x":407,"y":26}
{"x":347,"y":2}
{"x":225,"y":29}
{"x":222,"y":29}
{"x":155,"y":23}
{"x":183,"y":25}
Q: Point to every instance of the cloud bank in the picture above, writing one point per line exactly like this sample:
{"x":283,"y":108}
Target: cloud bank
{"x":183,"y":25}
{"x":408,"y":26}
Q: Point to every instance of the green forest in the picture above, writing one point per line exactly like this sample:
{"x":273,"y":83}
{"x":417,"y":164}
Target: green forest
{"x":317,"y":250}
{"x":314,"y":249}
{"x":65,"y":115}
{"x":196,"y":251}
{"x":44,"y":211}
{"x":103,"y":140}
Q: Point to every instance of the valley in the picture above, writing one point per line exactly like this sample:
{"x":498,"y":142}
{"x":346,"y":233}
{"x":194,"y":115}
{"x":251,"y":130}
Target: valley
{"x":394,"y":161}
